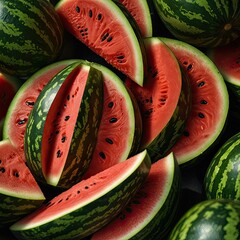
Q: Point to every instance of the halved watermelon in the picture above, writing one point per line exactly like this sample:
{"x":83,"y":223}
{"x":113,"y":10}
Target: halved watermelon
{"x":152,"y":210}
{"x":105,"y":29}
{"x":23,"y":102}
{"x":88,"y":205}
{"x":141,"y":13}
{"x":210,"y":102}
{"x":163,"y":100}
{"x":19,"y":191}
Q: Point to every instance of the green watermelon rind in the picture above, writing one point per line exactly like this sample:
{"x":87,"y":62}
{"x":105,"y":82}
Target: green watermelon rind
{"x":222,"y":177}
{"x":211,"y":67}
{"x":221,"y":217}
{"x":82,"y":219}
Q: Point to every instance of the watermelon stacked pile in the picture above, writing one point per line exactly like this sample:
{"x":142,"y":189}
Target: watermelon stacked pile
{"x":121,"y":120}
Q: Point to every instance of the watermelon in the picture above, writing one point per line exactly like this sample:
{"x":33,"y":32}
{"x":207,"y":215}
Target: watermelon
{"x":107,"y":31}
{"x":19,"y":191}
{"x":59,"y":142}
{"x":120,"y":115}
{"x":88,"y":205}
{"x":227,"y":59}
{"x":163,"y":100}
{"x":31,"y":36}
{"x":151,"y":211}
{"x":140,"y":11}
{"x":222,"y":178}
{"x":210,"y":103}
{"x":203,"y":23}
{"x":209,"y":220}
{"x":22,"y":104}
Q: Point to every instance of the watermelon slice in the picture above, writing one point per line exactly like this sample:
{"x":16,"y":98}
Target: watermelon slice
{"x":88,"y":205}
{"x":19,"y":191}
{"x":151,"y":212}
{"x":163,"y":100}
{"x":107,"y":31}
{"x":210,"y":102}
{"x":141,"y":13}
{"x":23,"y":102}
{"x":120,"y":115}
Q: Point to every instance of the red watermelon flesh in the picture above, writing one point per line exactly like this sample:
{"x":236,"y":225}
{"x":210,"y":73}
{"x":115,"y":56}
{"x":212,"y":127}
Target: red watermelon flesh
{"x":159,"y":96}
{"x":23,"y":102}
{"x":104,"y":28}
{"x":210,"y":102}
{"x":141,"y":13}
{"x":146,"y":204}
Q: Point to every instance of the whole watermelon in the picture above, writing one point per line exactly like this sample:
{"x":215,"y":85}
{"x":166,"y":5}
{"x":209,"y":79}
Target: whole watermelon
{"x":31,"y":35}
{"x":203,"y":23}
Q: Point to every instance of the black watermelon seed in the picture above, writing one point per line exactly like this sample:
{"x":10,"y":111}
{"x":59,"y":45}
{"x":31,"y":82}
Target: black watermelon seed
{"x":201,"y":115}
{"x":90,"y":14}
{"x":28,"y":103}
{"x":57,"y":132}
{"x":67,"y":118}
{"x":189,"y":67}
{"x":77,"y":9}
{"x":99,"y":17}
{"x":78,"y":191}
{"x":104,"y":37}
{"x":108,"y":140}
{"x":0,"y":161}
{"x":60,"y":201}
{"x":186,"y":133}
{"x":16,"y":174}
{"x":2,"y":169}
{"x":63,"y":139}
{"x":102,"y":155}
{"x":154,"y":74}
{"x":109,"y":39}
{"x":22,"y":121}
{"x":113,"y":120}
{"x":201,"y":84}
{"x":68,"y":97}
{"x":86,"y":187}
{"x":203,"y":102}
{"x":59,"y":153}
{"x":110,"y":104}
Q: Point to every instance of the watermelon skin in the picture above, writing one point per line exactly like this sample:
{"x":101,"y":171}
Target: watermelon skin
{"x":88,"y":205}
{"x":31,"y":36}
{"x":61,"y":134}
{"x":107,"y":30}
{"x":141,"y":13}
{"x":201,"y":23}
{"x":19,"y":191}
{"x":210,"y":103}
{"x":163,"y":100}
{"x":209,"y":220}
{"x":151,"y":211}
{"x":222,"y":177}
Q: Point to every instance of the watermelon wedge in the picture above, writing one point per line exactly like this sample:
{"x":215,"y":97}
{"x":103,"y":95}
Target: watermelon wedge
{"x":163,"y":100}
{"x":107,"y":31}
{"x":151,"y":212}
{"x":19,"y":191}
{"x":210,"y":102}
{"x":141,"y":13}
{"x":88,"y":205}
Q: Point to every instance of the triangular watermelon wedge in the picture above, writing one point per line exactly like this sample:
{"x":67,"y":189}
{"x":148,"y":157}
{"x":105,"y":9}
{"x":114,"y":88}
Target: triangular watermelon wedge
{"x":104,"y":28}
{"x":19,"y":191}
{"x":88,"y":205}
{"x":151,"y":212}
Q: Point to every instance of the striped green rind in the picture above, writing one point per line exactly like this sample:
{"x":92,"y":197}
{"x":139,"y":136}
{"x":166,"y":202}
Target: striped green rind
{"x":176,"y":125}
{"x":204,"y":23}
{"x":31,"y":36}
{"x":82,"y":219}
{"x":222,"y":178}
{"x":87,"y":123}
{"x":209,"y":220}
